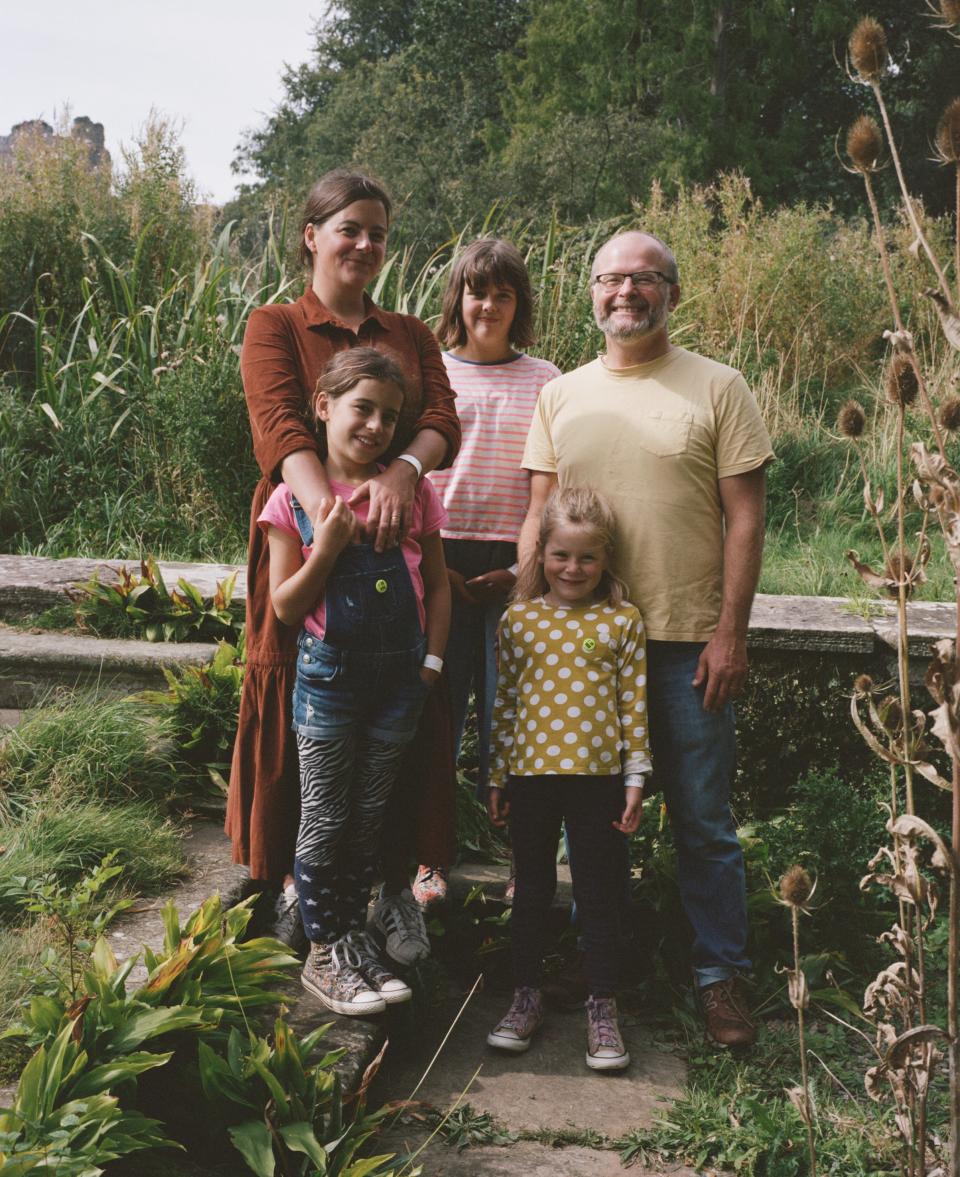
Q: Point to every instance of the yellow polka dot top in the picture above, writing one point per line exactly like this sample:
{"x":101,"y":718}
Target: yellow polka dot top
{"x":571,"y":692}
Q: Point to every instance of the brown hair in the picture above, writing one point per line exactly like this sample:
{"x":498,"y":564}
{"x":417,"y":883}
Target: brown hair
{"x":346,"y":370}
{"x":332,"y":192}
{"x":581,"y":507}
{"x":487,"y":261}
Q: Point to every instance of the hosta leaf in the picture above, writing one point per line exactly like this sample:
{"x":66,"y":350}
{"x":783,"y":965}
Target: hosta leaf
{"x":252,"y":1140}
{"x":300,"y":1137}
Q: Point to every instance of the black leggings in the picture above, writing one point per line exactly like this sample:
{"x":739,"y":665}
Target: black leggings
{"x":588,"y":805}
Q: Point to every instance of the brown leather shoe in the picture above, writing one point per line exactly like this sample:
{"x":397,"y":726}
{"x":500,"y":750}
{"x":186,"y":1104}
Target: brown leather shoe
{"x":726,"y":1014}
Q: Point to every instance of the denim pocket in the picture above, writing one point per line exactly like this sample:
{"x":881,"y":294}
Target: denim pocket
{"x":317,"y":663}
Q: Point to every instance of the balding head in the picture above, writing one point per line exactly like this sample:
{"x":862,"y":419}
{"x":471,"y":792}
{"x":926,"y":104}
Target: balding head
{"x":615,"y":255}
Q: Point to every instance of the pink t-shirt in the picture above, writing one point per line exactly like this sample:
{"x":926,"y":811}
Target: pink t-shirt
{"x":428,"y":517}
{"x":486,"y":490}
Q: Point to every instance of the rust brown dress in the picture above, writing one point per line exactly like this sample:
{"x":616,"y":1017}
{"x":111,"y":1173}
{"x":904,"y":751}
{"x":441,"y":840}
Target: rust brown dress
{"x":285,"y":348}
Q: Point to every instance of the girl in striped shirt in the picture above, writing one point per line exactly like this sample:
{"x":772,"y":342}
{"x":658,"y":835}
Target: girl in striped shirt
{"x":487,"y":317}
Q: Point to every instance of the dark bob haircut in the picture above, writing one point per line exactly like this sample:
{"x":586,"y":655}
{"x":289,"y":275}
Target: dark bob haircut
{"x":330,"y":194}
{"x":485,"y":262}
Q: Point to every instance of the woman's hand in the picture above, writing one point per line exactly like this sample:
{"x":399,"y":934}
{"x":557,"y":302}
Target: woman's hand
{"x":632,"y":809}
{"x":498,"y":808}
{"x":492,"y":586}
{"x":391,"y":504}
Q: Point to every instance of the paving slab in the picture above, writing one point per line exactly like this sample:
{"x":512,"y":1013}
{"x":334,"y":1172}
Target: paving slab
{"x":549,"y":1088}
{"x":523,"y":1159}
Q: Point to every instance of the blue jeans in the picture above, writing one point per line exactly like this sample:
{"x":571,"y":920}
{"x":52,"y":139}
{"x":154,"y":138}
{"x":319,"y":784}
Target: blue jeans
{"x":694,"y":755}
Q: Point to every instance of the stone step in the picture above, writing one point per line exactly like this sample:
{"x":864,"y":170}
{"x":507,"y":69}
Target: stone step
{"x":35,"y":662}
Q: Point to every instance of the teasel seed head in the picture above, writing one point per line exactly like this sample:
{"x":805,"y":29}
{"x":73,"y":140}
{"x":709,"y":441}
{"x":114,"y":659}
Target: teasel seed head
{"x":864,"y":144}
{"x":902,"y":385}
{"x":899,"y":566}
{"x":891,"y":713}
{"x":949,"y":414}
{"x":950,"y":11}
{"x":868,"y":49}
{"x":852,"y":420}
{"x":948,"y":133}
{"x":796,"y":887}
{"x":863,"y":684}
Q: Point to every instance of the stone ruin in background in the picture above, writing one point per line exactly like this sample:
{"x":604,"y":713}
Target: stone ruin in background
{"x":83,"y":129}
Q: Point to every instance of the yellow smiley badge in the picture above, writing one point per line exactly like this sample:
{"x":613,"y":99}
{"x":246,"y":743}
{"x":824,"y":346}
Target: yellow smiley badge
{"x":381,"y":586}
{"x":589,"y":645}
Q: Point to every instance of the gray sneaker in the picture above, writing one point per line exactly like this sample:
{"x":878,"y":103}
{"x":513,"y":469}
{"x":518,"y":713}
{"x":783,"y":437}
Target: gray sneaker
{"x":363,"y":956}
{"x":329,"y":975}
{"x":605,"y":1049}
{"x":521,"y":1021}
{"x":400,"y":919}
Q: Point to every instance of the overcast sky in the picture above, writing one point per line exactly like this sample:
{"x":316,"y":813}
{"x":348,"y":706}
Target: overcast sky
{"x":211,"y":66}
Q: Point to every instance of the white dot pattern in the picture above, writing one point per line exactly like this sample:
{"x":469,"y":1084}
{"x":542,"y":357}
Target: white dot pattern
{"x":589,"y":716}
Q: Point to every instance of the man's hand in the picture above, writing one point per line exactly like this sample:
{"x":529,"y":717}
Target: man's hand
{"x":498,"y":808}
{"x":492,"y":586}
{"x":723,"y":668}
{"x":632,"y":810}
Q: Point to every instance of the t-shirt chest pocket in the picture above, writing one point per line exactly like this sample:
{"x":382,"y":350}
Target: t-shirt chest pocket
{"x":664,"y":433}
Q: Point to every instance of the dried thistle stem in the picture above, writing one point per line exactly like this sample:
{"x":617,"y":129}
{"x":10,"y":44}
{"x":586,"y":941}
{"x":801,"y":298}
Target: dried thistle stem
{"x":801,"y":1035}
{"x":907,"y":202}
{"x":895,"y":307}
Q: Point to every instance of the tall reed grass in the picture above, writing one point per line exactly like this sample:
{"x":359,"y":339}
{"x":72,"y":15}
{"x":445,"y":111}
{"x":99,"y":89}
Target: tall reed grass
{"x":126,"y":430}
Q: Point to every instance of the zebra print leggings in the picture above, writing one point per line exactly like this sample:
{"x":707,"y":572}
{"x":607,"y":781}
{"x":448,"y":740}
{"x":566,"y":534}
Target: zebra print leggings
{"x":344,"y":788}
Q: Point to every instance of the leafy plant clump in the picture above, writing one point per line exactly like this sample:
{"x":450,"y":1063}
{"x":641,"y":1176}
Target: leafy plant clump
{"x":144,"y":606}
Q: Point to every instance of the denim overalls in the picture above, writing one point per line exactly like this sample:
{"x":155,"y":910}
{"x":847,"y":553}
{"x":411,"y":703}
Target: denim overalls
{"x":364,"y":675}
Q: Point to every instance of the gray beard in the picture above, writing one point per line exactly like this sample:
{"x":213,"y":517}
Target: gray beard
{"x":624,"y":334}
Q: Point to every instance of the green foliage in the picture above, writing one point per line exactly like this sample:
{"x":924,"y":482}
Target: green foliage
{"x":793,"y":720}
{"x":734,"y":1114}
{"x":85,"y":745}
{"x":284,"y":1111}
{"x":143,"y":605}
{"x":76,"y":916}
{"x":203,"y":706}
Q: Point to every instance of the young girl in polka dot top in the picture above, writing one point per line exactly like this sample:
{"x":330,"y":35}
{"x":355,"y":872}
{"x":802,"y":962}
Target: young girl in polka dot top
{"x":569,"y":746}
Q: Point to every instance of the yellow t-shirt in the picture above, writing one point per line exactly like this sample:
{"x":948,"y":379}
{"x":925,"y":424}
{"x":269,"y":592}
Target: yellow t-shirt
{"x":571,"y":692}
{"x":655,"y":438}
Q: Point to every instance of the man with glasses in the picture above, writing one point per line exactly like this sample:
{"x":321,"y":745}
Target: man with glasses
{"x":677,"y":444}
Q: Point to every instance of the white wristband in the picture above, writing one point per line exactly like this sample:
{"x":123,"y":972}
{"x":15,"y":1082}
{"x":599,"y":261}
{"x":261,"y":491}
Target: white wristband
{"x":414,"y":462}
{"x":432,"y":662}
{"x":633,"y":780}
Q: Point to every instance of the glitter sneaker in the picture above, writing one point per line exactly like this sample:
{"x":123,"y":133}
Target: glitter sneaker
{"x":363,"y":956}
{"x":329,"y":975}
{"x":521,"y":1021}
{"x":605,"y":1049}
{"x":400,"y":919}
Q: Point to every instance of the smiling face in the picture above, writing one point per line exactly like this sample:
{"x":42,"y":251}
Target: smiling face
{"x":360,"y":425}
{"x":348,"y":248}
{"x":630,"y":313}
{"x":574,"y":561}
{"x":488,"y":316}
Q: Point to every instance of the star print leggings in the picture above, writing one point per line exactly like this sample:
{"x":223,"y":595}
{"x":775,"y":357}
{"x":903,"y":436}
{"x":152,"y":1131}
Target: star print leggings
{"x":356,"y":703}
{"x":539,"y":806}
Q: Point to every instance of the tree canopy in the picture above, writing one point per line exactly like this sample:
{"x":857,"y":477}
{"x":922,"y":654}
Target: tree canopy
{"x":579,"y":105}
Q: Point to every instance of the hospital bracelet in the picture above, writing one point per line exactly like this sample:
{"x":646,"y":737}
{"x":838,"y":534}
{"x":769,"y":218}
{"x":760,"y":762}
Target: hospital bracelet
{"x":414,"y":462}
{"x":432,"y":662}
{"x":633,"y":780}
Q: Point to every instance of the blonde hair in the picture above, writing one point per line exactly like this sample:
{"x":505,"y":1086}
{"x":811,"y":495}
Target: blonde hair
{"x":578,"y":506}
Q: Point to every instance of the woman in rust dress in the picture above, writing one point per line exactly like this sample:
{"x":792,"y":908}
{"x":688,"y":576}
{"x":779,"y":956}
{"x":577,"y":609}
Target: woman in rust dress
{"x":286,"y":345}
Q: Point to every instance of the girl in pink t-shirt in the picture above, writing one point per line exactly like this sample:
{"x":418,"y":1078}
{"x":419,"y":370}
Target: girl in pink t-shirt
{"x":374,"y":628}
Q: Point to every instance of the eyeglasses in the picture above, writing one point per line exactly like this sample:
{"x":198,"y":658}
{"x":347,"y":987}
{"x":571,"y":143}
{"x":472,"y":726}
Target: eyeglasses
{"x":642,"y":278}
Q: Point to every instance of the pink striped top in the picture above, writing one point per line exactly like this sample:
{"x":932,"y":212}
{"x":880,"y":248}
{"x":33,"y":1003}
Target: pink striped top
{"x":485,"y":491}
